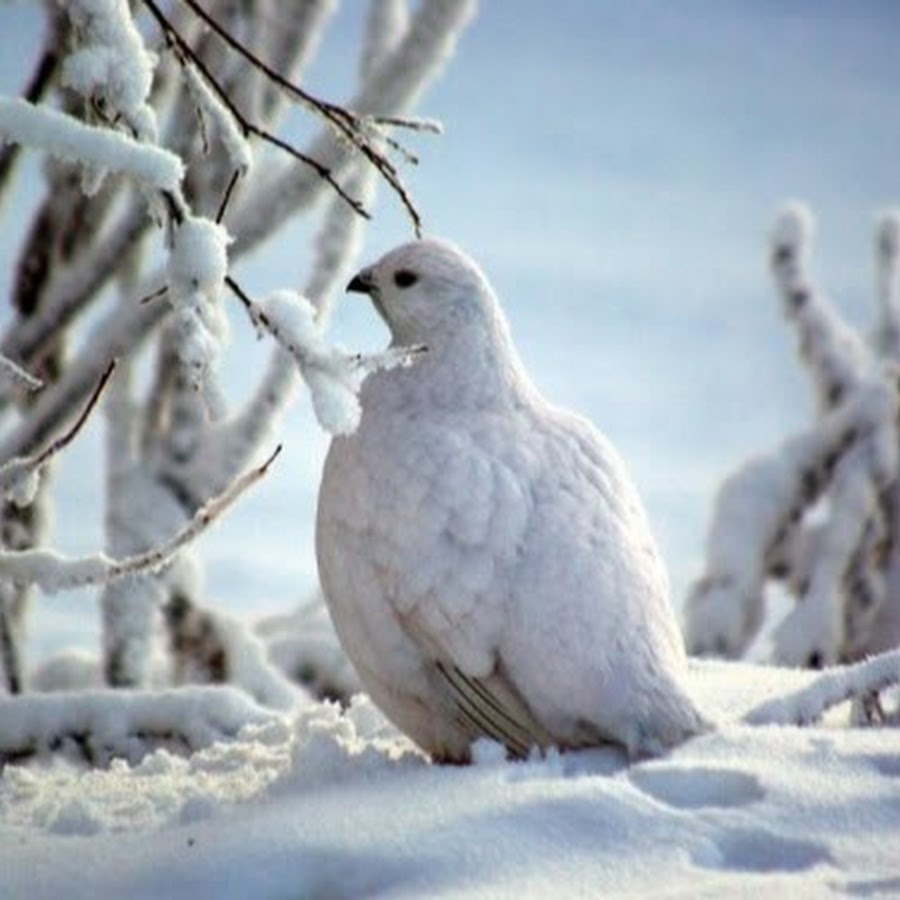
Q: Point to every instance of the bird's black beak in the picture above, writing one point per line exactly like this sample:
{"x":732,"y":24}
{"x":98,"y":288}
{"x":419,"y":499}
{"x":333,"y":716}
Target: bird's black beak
{"x":361,"y":283}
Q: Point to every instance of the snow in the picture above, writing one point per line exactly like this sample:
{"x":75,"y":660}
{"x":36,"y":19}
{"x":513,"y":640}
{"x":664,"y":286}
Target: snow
{"x":66,"y":138}
{"x":339,"y":805}
{"x":112,"y":66}
{"x":333,"y":376}
{"x":227,"y":129}
{"x":196,"y":270}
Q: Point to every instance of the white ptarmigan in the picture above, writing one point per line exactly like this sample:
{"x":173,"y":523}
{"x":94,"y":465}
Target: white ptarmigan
{"x":484,"y":555}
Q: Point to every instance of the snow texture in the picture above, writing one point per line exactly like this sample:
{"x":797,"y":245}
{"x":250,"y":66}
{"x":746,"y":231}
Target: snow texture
{"x":820,"y":513}
{"x":196,"y":270}
{"x":339,"y":805}
{"x":111,"y":68}
{"x":122,"y":724}
{"x":68,"y":139}
{"x":226,"y":128}
{"x":333,"y":376}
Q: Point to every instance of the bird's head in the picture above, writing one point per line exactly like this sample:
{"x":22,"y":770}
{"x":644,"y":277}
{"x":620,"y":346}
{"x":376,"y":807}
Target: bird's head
{"x":428,"y":292}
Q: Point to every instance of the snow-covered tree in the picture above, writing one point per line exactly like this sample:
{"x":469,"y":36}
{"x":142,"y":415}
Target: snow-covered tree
{"x":165,"y":165}
{"x":820,"y":516}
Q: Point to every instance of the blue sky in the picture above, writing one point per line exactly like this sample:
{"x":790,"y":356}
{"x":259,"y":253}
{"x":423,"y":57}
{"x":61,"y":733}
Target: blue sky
{"x":615,"y":167}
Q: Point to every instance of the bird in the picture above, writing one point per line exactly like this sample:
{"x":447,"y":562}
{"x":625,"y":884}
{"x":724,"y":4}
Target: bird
{"x":485,"y":557}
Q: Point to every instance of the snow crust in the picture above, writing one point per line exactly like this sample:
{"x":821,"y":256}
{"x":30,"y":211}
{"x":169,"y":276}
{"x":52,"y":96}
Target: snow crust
{"x":339,"y":805}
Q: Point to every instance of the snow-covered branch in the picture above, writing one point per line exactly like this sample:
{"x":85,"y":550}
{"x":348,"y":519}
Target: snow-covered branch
{"x":819,"y":514}
{"x":392,"y":88}
{"x":887,"y":261}
{"x":53,"y":572}
{"x":333,"y":376}
{"x":98,"y":148}
{"x":169,"y":137}
{"x":836,"y":356}
{"x":19,"y":476}
{"x":840,"y":684}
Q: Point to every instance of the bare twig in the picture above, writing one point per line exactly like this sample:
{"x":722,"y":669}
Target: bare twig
{"x":258,"y":318}
{"x":347,"y":123}
{"x":155,"y":295}
{"x":64,"y":440}
{"x":229,"y":190}
{"x":12,"y":374}
{"x":155,"y":559}
{"x":52,"y":572}
{"x":186,"y":56}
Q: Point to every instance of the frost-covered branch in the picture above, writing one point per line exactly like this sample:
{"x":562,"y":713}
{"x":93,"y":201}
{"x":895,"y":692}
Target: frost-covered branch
{"x":333,"y":376}
{"x":263,"y":207}
{"x":836,"y":356}
{"x":820,"y":514}
{"x":360,"y":132}
{"x":840,"y":684}
{"x":88,"y":145}
{"x":815,"y":633}
{"x":110,"y":67}
{"x":759,"y":511}
{"x":398,"y":81}
{"x":72,"y":288}
{"x":18,"y":477}
{"x":335,"y":248}
{"x":183,"y":121}
{"x":215,"y":100}
{"x":53,"y":572}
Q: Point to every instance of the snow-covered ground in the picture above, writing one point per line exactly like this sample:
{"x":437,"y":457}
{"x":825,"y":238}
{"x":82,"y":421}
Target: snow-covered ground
{"x":332,"y":805}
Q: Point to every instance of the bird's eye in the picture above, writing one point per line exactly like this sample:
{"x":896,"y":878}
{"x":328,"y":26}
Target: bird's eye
{"x":404,"y":278}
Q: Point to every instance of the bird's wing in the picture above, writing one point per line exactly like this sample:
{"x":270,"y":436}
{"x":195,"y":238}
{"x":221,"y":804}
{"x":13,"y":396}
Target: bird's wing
{"x":449,"y":521}
{"x":492,"y":707}
{"x":436,"y":519}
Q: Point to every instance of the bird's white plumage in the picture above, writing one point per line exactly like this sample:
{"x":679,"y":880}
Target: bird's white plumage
{"x":484,"y":555}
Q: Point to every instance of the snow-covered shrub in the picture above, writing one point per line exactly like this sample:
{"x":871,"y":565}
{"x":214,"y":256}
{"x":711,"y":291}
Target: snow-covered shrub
{"x":820,"y":515}
{"x":156,"y":118}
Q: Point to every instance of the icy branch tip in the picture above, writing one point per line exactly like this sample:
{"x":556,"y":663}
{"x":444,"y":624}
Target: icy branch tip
{"x":794,"y":228}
